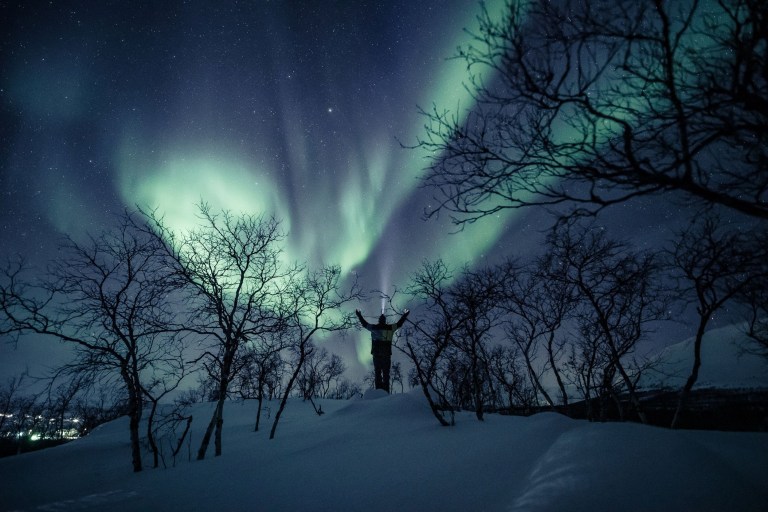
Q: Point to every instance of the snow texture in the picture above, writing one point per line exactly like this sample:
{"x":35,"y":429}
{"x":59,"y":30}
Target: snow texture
{"x":384,"y":453}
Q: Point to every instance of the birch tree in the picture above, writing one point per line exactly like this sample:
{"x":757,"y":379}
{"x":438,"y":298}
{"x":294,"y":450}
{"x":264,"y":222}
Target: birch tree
{"x":233,"y":268}
{"x":586,"y":104}
{"x":313,"y":304}
{"x":712,"y":266}
{"x":113,"y":299}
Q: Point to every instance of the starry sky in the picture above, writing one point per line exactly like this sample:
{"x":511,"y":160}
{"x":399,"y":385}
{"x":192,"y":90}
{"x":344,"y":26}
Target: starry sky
{"x":293,"y":108}
{"x":298,"y":109}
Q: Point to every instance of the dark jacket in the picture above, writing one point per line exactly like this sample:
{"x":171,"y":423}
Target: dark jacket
{"x":381,"y":334}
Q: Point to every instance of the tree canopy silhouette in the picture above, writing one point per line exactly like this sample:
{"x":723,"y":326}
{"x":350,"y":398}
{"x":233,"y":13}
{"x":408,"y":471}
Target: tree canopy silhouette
{"x":589,"y":104}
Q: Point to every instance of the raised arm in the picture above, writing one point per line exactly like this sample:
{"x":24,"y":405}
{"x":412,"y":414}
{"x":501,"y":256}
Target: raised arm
{"x":402,"y":319}
{"x":360,"y":317}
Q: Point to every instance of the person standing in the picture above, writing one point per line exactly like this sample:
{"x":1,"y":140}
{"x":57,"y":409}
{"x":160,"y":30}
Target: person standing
{"x":381,"y":346}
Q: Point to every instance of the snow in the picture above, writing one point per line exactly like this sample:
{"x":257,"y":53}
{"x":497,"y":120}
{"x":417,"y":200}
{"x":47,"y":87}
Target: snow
{"x":724,"y":363}
{"x":386,"y":452}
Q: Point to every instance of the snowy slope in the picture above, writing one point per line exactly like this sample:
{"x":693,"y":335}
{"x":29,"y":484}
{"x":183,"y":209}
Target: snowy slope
{"x":388,"y":453}
{"x":724,"y":364}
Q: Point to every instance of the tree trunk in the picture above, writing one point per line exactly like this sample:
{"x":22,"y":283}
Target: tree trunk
{"x":535,"y":379}
{"x":135,"y":406}
{"x":217,"y":419}
{"x":689,"y":383}
{"x":631,"y":389}
{"x":135,"y":419}
{"x":151,"y":436}
{"x":424,"y":382}
{"x":217,"y":412}
{"x":287,"y":392}
{"x":219,"y":428}
{"x":181,"y":439}
{"x":605,"y":392}
{"x":260,"y":404}
{"x":478,"y":385}
{"x":558,"y":378}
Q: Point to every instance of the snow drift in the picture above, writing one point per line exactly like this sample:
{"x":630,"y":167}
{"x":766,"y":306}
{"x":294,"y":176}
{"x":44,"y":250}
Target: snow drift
{"x":388,"y":453}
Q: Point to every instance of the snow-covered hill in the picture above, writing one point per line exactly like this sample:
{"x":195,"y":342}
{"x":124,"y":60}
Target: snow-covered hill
{"x":384,"y":453}
{"x":724,"y":363}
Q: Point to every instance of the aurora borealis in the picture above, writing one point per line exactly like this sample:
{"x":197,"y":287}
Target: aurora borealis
{"x":291,"y":108}
{"x":297,"y":109}
{"x":300,"y":109}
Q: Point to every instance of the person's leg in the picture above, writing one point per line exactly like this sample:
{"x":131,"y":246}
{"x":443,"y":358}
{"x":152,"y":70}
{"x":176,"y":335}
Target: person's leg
{"x":377,"y":373}
{"x":387,"y":363}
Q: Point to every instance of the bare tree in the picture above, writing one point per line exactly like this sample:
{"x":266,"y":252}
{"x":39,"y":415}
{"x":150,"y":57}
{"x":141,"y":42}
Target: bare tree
{"x":28,"y":415}
{"x":712,"y":266}
{"x":9,"y":395}
{"x":476,"y":297}
{"x":619,"y":296}
{"x":312,"y":305}
{"x":263,"y":369}
{"x":159,"y":386}
{"x":590,"y":104}
{"x":451,"y":343}
{"x":61,"y":399}
{"x":233,"y":266}
{"x":396,"y":376}
{"x":754,"y":298}
{"x":430,"y":336}
{"x":98,"y":405}
{"x":24,"y":414}
{"x":592,"y":369}
{"x":320,"y":370}
{"x":756,"y":301}
{"x":345,"y":389}
{"x":510,"y":376}
{"x":112,"y":299}
{"x":539,"y":303}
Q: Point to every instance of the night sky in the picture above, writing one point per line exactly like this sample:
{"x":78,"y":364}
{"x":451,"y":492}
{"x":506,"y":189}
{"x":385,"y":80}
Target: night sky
{"x":286,"y":107}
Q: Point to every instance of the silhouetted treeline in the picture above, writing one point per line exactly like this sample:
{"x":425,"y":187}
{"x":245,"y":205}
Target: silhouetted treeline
{"x":146,"y":308}
{"x":568,"y":326}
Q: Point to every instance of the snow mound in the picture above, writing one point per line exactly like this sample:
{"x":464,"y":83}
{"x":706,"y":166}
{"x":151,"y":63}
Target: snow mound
{"x":375,"y":394}
{"x":599,"y":466}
